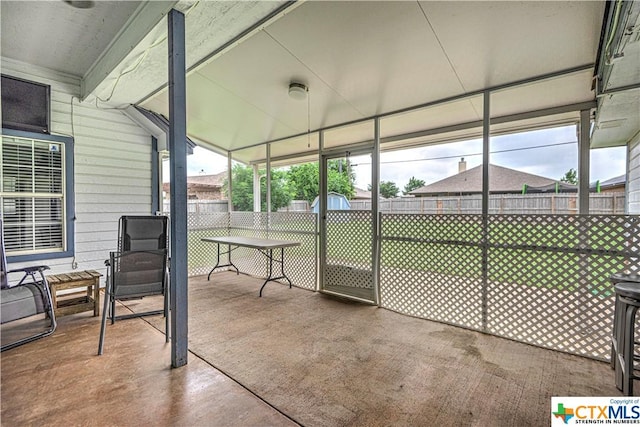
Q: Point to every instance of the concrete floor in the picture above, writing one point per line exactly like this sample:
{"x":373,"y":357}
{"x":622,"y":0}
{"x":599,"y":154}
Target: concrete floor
{"x":60,"y":381}
{"x":320,"y":361}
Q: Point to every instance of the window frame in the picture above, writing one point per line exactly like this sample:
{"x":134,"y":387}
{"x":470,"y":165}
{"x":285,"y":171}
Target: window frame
{"x":69,"y":196}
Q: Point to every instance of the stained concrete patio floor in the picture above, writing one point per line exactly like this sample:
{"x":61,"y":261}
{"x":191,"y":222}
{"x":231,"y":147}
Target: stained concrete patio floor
{"x":291,"y":356}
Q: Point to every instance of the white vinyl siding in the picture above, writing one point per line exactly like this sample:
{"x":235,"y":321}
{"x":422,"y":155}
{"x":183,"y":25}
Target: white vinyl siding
{"x":633,"y":180}
{"x":112,"y":161}
{"x":33,"y":195}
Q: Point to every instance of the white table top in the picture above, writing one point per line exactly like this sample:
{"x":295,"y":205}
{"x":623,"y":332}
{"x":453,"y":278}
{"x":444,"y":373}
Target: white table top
{"x":252,"y":242}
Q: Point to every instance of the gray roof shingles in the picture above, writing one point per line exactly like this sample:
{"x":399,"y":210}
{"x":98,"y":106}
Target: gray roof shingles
{"x":501,"y":180}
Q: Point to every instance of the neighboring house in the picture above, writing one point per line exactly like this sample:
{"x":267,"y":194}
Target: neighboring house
{"x":201,"y":187}
{"x":360,"y":194}
{"x":613,"y":185}
{"x":501,"y":181}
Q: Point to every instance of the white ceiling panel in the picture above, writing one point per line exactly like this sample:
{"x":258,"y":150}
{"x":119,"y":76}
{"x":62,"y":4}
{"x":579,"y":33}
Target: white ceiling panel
{"x":378,"y":56}
{"x":450,"y":113}
{"x":295,"y":146}
{"x":358,"y":58}
{"x":492,"y":43}
{"x":350,"y":134}
{"x":259,"y":71}
{"x":565,"y":90}
{"x":244,"y":96}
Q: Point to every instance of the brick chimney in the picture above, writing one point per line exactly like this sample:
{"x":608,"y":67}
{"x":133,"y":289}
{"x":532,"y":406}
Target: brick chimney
{"x":462,"y":165}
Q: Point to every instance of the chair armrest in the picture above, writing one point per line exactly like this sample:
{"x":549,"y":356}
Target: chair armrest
{"x":29,"y":270}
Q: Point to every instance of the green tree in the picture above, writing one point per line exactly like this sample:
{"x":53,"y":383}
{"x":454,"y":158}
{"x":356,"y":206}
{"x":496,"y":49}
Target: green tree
{"x":304,"y":180}
{"x":388,"y":189}
{"x":242,"y":197}
{"x":412,"y":185}
{"x":341,"y":178}
{"x":570,"y":177}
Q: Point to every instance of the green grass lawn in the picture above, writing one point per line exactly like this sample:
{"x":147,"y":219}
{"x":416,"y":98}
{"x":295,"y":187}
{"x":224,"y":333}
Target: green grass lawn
{"x":531,"y":253}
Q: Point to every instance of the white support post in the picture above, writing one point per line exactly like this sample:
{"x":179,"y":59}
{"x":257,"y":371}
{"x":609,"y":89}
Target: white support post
{"x":256,"y":188}
{"x":584,"y":147}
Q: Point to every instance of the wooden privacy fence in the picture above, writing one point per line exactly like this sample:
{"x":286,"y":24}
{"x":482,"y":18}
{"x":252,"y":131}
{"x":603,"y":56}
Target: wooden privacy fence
{"x":201,"y":206}
{"x":543,"y":204}
{"x":563,"y":204}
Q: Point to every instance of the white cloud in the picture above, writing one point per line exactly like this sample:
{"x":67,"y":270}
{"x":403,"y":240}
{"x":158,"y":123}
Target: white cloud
{"x":436,"y":162}
{"x":201,"y":162}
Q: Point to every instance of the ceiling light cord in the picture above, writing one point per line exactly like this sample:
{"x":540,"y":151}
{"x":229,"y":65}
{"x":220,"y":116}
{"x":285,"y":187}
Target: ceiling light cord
{"x":308,"y":119}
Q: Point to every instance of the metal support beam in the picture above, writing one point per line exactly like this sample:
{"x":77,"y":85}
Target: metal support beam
{"x":614,"y":90}
{"x":268,"y":179}
{"x":156,"y":189}
{"x":229,"y":183}
{"x":584,"y":147}
{"x":486,"y":147}
{"x":375,"y":209}
{"x":322,"y":211}
{"x":449,"y":128}
{"x":178,"y":166}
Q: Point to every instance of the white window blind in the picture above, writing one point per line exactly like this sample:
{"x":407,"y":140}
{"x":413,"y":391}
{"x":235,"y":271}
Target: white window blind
{"x":33,"y":195}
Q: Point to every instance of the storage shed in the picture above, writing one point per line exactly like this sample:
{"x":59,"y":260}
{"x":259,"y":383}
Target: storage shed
{"x":335,"y":202}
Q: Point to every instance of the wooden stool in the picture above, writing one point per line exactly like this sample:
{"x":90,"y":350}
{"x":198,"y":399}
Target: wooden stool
{"x":89,"y":279}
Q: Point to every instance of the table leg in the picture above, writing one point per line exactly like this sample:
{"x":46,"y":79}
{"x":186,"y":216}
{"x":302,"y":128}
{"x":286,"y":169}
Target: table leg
{"x":269,"y":271}
{"x":228,"y":264}
{"x":284,"y":276}
{"x":270,"y":277}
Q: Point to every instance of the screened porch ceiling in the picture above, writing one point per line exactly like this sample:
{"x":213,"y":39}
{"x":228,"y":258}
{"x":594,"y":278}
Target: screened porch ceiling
{"x":362,"y":59}
{"x":359,"y":59}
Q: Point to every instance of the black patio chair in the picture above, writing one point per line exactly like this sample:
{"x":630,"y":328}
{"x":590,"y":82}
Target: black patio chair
{"x":138,"y":269}
{"x":30,"y":296}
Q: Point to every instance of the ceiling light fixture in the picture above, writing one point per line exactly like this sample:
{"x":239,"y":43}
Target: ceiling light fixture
{"x":78,"y":4}
{"x":298,"y":90}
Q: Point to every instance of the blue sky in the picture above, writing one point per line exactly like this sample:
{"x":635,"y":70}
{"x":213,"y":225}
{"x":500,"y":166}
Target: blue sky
{"x":547,"y":152}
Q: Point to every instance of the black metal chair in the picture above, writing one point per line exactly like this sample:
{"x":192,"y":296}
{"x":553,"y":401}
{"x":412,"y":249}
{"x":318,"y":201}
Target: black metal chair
{"x":139,"y":268}
{"x":30,"y":296}
{"x":623,"y":344}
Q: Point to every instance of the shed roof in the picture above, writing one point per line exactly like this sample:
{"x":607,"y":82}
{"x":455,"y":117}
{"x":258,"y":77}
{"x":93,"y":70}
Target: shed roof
{"x":331,"y":194}
{"x":501,"y":180}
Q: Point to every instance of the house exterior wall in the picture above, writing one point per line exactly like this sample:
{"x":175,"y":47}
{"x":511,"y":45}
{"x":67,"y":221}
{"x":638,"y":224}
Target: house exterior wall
{"x":617,"y":189}
{"x":112,"y":167}
{"x":633,"y":189}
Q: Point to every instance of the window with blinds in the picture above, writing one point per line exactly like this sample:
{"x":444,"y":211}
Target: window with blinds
{"x":32,"y":190}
